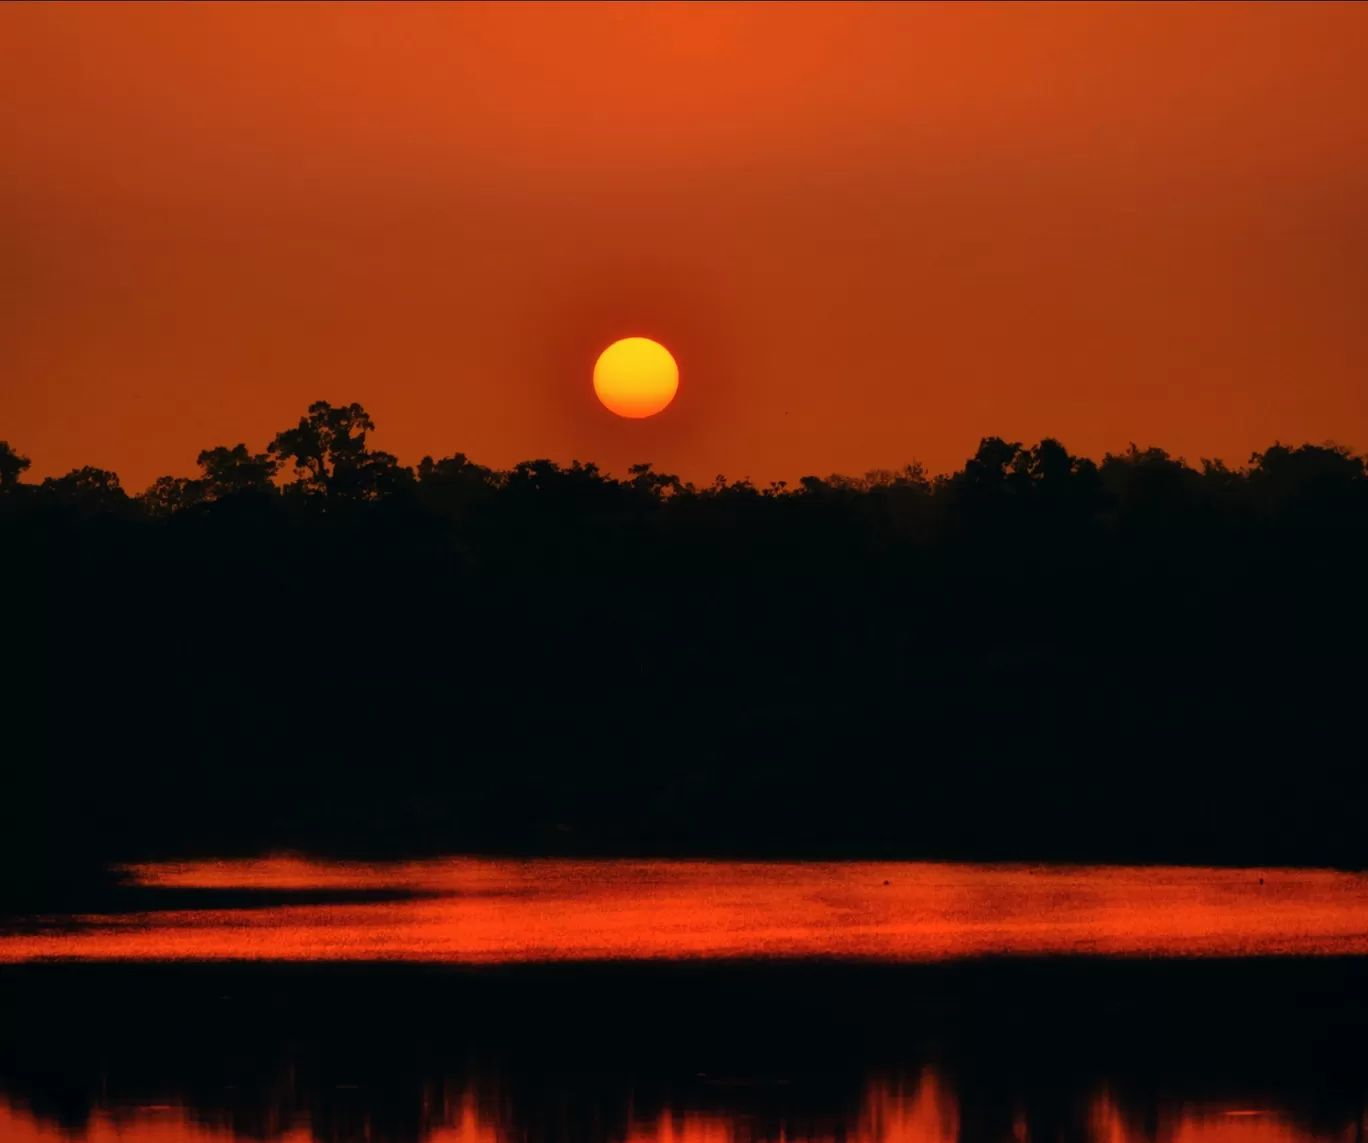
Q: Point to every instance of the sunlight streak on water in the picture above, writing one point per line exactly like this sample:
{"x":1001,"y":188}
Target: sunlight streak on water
{"x":918,"y":1109}
{"x":482,"y":911}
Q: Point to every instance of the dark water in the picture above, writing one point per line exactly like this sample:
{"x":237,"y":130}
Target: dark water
{"x":1053,"y":1051}
{"x":573,"y":1002}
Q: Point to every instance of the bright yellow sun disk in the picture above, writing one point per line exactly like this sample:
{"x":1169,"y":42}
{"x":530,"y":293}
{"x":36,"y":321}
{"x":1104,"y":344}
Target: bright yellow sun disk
{"x":636,"y":377}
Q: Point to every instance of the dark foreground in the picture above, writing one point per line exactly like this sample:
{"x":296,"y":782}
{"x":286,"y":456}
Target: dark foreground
{"x":1035,"y":658}
{"x":1017,"y":1049}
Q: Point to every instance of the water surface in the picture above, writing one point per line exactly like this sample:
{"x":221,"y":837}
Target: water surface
{"x":467,"y":911}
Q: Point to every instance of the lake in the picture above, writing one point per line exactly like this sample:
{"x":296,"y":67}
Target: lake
{"x":492,"y":1001}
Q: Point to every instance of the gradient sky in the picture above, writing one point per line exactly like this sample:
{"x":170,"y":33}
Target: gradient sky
{"x":870,"y":234}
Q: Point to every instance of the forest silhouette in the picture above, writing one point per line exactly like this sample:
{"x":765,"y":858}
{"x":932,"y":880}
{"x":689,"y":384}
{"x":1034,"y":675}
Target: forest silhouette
{"x":1037,"y":656}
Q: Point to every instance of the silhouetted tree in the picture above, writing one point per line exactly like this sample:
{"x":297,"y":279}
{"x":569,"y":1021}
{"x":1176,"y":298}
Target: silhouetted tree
{"x":1059,"y":482}
{"x":1283,"y":476}
{"x":170,"y":494}
{"x":373,"y":475}
{"x":656,"y":485}
{"x":328,"y":448}
{"x":12,"y":466}
{"x":453,"y":486}
{"x":1148,"y":486}
{"x":987,"y":473}
{"x":88,"y":487}
{"x":455,"y":469}
{"x":233,"y":471}
{"x":547,"y":482}
{"x":224,"y":473}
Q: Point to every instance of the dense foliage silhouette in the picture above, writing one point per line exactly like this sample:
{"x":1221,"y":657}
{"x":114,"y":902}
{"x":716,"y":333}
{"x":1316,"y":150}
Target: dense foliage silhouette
{"x":1037,"y":656}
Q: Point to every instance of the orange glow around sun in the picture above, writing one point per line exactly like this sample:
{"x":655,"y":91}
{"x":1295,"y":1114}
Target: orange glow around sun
{"x":636,"y":377}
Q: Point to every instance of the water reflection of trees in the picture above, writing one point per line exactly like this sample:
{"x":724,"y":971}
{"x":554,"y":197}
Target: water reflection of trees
{"x":1001,"y":1052}
{"x":907,"y":1107}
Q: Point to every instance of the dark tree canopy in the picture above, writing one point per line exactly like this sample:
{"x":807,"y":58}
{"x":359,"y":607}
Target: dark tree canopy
{"x":88,"y":487}
{"x":234,"y":471}
{"x":328,"y":449}
{"x":170,"y":494}
{"x":1036,"y":656}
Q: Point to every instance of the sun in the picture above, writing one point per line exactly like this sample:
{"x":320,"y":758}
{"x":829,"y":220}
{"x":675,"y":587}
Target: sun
{"x":636,"y":377}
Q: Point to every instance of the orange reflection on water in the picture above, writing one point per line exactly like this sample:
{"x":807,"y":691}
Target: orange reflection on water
{"x":162,"y":1124}
{"x":923,"y":1111}
{"x":1211,"y":1122}
{"x":891,"y":1113}
{"x":928,"y":1113}
{"x":481,"y":911}
{"x":468,"y":1125}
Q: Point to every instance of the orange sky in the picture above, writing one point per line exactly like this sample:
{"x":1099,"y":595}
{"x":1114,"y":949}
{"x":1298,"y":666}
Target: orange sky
{"x":870,"y":234}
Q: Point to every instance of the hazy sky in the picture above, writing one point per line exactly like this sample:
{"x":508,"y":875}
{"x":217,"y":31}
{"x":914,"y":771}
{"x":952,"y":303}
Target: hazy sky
{"x":870,"y":234}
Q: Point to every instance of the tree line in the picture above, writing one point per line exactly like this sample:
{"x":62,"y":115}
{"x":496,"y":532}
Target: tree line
{"x":1035,"y":656}
{"x":326,"y":460}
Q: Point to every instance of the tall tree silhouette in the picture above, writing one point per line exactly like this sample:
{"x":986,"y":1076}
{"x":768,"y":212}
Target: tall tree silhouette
{"x":328,"y":448}
{"x":987,"y":473}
